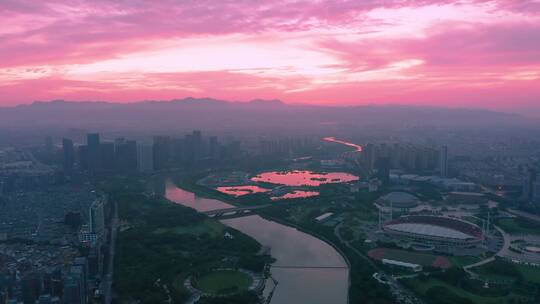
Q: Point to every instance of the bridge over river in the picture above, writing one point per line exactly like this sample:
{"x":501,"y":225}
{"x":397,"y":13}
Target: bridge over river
{"x":234,"y":212}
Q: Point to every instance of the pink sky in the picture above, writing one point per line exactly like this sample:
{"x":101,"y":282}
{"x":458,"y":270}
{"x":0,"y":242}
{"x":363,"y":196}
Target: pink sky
{"x":475,"y":53}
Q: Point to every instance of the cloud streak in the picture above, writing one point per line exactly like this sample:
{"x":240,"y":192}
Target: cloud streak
{"x":451,"y":53}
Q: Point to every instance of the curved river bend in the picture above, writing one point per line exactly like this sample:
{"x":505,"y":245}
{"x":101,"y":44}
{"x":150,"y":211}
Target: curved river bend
{"x":291,"y":248}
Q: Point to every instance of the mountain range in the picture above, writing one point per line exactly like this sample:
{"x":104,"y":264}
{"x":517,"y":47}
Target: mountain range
{"x":213,"y":114}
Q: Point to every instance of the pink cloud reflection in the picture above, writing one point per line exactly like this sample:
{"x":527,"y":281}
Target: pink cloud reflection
{"x":469,"y":53}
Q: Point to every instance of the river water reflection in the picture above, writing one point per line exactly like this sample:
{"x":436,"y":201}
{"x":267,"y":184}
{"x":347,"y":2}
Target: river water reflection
{"x":303,"y":178}
{"x":291,"y":248}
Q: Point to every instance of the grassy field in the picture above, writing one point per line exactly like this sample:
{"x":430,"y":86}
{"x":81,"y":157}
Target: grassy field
{"x":507,"y":271}
{"x":410,"y":257}
{"x":422,"y":287}
{"x":211,"y":227}
{"x":519,"y":226}
{"x":531,"y":274}
{"x":224,"y":281}
{"x":461,"y":261}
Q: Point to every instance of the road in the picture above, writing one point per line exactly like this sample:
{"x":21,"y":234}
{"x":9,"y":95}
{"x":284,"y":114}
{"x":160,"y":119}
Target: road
{"x":108,"y":277}
{"x":530,"y":216}
{"x":401,"y":294}
{"x":501,"y":253}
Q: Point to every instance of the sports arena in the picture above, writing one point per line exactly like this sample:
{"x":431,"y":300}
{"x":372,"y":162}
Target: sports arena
{"x":433,"y":232}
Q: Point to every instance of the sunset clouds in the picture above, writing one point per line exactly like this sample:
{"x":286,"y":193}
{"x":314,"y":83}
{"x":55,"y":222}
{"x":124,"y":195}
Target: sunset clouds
{"x":450,"y":53}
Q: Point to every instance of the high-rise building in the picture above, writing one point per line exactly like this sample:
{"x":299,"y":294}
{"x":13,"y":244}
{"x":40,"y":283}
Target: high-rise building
{"x":68,"y":152}
{"x":83,"y":156}
{"x":443,"y":161}
{"x":529,"y":184}
{"x":107,"y":157}
{"x":73,"y":293}
{"x":145,"y":158}
{"x":198,"y":144}
{"x":161,"y":152}
{"x":80,"y":266}
{"x":370,"y":155}
{"x":178,"y":151}
{"x":213,"y":147}
{"x":126,"y":155}
{"x":97,"y":217}
{"x":383,"y":169}
{"x":93,"y":152}
{"x":92,"y":139}
{"x":31,"y":288}
{"x":535,"y":192}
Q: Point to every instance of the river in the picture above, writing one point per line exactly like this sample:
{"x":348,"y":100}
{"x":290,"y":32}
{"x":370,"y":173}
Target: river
{"x":357,"y":148}
{"x":290,"y":248}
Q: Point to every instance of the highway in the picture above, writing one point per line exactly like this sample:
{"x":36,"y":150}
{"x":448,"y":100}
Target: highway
{"x":109,"y":271}
{"x":501,"y":253}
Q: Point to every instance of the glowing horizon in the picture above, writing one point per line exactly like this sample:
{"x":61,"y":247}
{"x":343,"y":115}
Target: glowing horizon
{"x":475,"y":53}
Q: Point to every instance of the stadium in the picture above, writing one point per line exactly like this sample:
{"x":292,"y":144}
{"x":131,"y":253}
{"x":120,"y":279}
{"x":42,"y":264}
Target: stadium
{"x":397,"y":201}
{"x":425,"y":232}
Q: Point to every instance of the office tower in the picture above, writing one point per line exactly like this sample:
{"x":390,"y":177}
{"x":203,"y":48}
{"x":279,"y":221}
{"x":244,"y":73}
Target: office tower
{"x":107,"y":156}
{"x":443,"y":161}
{"x":31,"y":288}
{"x":80,"y":265}
{"x":94,"y":262}
{"x":395,"y":156}
{"x":409,"y":159}
{"x":370,"y":156}
{"x":68,"y":152}
{"x":535,"y":192}
{"x":126,"y":155}
{"x":73,"y":293}
{"x":3,"y":296}
{"x":97,"y":217}
{"x":235,"y":149}
{"x":423,"y":159}
{"x":145,"y":158}
{"x":93,"y":152}
{"x":92,"y":139}
{"x":161,"y":152}
{"x":130,"y":155}
{"x":529,"y":184}
{"x":83,"y":157}
{"x":197,"y":144}
{"x":78,"y":272}
{"x":178,"y":153}
{"x":213,"y":149}
{"x":383,"y":169}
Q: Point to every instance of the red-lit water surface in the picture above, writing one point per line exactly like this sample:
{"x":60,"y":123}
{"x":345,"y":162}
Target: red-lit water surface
{"x":357,"y":148}
{"x":241,"y":190}
{"x":296,"y":194}
{"x":303,"y":178}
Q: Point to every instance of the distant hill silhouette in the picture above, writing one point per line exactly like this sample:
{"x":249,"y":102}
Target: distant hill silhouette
{"x":206,"y":113}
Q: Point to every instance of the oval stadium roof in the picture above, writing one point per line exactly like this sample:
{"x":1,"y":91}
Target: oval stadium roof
{"x":429,"y":230}
{"x":400,"y":199}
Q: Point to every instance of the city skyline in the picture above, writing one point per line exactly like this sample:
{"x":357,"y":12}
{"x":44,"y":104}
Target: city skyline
{"x":474,"y":54}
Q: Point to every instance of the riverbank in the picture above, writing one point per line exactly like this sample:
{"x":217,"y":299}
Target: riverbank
{"x":320,"y":237}
{"x":310,"y":269}
{"x":360,"y":285}
{"x":161,"y":243}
